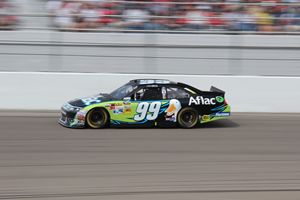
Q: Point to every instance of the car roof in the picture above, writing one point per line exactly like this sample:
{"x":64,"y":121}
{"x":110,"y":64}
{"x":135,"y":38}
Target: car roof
{"x":151,"y":81}
{"x":161,"y":82}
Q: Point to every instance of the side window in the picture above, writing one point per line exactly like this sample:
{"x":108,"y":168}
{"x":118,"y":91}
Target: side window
{"x":148,"y":93}
{"x":177,"y":93}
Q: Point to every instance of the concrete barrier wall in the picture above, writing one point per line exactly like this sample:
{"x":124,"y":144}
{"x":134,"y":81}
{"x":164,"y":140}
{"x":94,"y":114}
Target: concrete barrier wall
{"x":34,"y":90}
{"x":150,"y":53}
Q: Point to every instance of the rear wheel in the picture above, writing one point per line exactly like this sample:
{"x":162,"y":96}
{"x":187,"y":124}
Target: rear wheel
{"x":97,"y":118}
{"x":188,"y":118}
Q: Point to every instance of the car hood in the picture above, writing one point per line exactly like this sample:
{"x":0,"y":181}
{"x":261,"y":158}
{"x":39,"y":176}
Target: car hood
{"x":87,"y":101}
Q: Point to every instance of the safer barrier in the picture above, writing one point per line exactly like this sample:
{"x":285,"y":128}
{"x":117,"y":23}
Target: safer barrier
{"x":38,"y":90}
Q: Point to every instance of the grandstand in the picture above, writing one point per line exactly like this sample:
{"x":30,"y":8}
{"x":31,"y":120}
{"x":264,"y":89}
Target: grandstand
{"x":252,"y":16}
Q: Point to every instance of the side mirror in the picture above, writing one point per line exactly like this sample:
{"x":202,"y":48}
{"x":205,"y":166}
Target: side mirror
{"x":126,"y":99}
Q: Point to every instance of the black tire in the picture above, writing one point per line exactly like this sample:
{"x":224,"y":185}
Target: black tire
{"x":188,"y":118}
{"x":97,"y":118}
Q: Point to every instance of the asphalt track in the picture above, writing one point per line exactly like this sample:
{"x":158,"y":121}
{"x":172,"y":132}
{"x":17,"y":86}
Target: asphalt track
{"x":250,"y":156}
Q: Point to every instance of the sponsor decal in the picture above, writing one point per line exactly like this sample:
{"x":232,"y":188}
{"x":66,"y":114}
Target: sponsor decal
{"x":80,"y":116}
{"x":200,"y":100}
{"x":157,"y":81}
{"x":222,"y":114}
{"x":219,"y":99}
{"x":205,"y":117}
{"x":172,"y":110}
{"x":127,"y":109}
{"x":76,"y":122}
{"x":114,"y":106}
{"x":80,"y":123}
{"x":118,"y":110}
{"x":127,"y":102}
{"x":171,"y":118}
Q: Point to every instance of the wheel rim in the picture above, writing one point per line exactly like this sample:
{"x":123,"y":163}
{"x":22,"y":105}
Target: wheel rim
{"x":188,"y":118}
{"x":97,"y":119}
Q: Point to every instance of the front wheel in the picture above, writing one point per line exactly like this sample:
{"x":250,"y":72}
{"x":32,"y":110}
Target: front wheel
{"x":188,"y":118}
{"x":97,"y":118}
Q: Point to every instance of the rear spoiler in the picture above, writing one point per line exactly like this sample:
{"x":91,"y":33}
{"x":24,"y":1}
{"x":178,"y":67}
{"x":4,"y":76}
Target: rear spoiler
{"x":214,"y":89}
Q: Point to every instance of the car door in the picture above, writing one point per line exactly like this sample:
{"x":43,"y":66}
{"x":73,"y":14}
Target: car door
{"x":147,"y":105}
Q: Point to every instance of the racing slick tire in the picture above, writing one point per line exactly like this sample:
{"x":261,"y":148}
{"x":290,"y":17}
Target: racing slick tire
{"x":188,"y":118}
{"x":97,"y":118}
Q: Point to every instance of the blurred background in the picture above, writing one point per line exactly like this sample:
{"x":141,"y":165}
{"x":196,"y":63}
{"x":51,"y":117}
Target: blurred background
{"x":223,"y":37}
{"x":167,"y":15}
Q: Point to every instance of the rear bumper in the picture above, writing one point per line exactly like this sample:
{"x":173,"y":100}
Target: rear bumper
{"x":219,"y":113}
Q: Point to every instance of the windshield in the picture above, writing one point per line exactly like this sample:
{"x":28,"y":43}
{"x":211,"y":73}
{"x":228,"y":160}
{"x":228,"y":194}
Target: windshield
{"x":123,"y":91}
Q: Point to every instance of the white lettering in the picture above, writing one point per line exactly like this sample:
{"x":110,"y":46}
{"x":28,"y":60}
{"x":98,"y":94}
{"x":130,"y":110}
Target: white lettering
{"x":200,"y":100}
{"x":192,"y":100}
{"x":222,"y":114}
{"x":207,"y":101}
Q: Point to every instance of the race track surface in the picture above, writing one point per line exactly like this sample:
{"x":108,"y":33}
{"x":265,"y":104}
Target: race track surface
{"x":250,"y":156}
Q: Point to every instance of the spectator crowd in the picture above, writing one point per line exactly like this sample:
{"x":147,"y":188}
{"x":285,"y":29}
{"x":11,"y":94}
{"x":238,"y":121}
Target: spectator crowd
{"x":232,"y":15}
{"x":227,"y":15}
{"x":7,"y":19}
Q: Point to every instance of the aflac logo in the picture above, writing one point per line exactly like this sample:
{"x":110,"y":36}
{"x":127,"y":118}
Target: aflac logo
{"x":200,"y":100}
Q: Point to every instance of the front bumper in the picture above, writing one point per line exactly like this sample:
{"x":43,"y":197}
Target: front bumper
{"x":72,"y":118}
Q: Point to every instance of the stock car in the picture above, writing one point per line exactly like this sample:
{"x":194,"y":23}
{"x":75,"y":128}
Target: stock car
{"x":147,"y":103}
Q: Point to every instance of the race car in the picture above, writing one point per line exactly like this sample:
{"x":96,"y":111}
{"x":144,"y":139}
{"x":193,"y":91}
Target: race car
{"x":147,"y":103}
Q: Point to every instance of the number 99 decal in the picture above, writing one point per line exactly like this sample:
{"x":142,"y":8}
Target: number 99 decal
{"x":147,"y":110}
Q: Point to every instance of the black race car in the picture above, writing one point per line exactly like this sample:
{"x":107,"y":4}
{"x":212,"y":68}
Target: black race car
{"x":147,"y":103}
